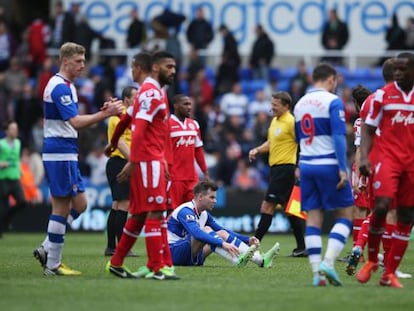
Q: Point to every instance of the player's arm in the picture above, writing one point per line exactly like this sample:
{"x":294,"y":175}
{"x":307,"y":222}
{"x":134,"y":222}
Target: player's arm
{"x":124,"y":122}
{"x":263,"y":148}
{"x":188,"y":220}
{"x":201,"y":161}
{"x":338,"y":126}
{"x":123,"y":148}
{"x":216,"y":227}
{"x":113,"y":107}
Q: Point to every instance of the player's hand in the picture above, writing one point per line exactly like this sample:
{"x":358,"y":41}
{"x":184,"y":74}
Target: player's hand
{"x":232,"y":249}
{"x":252,"y":154}
{"x":254,"y":241}
{"x":109,"y":149}
{"x":343,"y":179}
{"x":112,"y":107}
{"x":126,"y":172}
{"x":365,"y":168}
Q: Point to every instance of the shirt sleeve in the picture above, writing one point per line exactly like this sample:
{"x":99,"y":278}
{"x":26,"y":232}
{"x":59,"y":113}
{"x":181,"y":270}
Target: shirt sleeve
{"x":62,"y":98}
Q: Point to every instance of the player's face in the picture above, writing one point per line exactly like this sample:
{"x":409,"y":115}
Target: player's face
{"x":184,"y":107}
{"x":403,"y":73}
{"x":167,"y":71}
{"x":278,"y":108}
{"x":75,"y":65}
{"x":209,"y":200}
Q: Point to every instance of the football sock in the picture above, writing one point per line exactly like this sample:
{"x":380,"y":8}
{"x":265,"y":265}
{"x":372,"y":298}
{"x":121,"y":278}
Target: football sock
{"x":356,"y":228}
{"x":363,"y":233}
{"x":154,"y":244}
{"x":165,"y":246}
{"x":263,"y":226}
{"x":386,"y":239}
{"x":120,"y":221}
{"x":399,"y":244}
{"x":243,"y":247}
{"x":56,"y":232}
{"x":376,"y":229}
{"x":131,"y":232}
{"x":298,"y":228}
{"x":110,"y":229}
{"x":337,"y":240}
{"x":313,"y":242}
{"x":73,"y":215}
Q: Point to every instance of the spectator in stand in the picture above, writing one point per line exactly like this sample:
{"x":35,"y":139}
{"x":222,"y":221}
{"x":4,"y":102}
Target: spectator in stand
{"x":62,"y":25}
{"x":259,"y":104}
{"x":44,"y":75}
{"x":335,"y":36}
{"x":200,"y":33}
{"x":39,"y":37}
{"x":234,"y":103}
{"x":228,"y":70}
{"x":8,"y":46}
{"x":137,"y":31}
{"x":230,"y":153}
{"x":262,"y":54}
{"x":15,"y":80}
{"x":195,"y":63}
{"x":395,"y":37}
{"x":84,"y":35}
{"x":299,"y":82}
{"x":409,"y":33}
{"x":246,"y":177}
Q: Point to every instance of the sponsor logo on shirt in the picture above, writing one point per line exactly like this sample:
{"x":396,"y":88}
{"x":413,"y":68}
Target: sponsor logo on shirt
{"x":185,"y":141}
{"x":65,"y":100}
{"x":190,"y":218}
{"x":400,"y":117}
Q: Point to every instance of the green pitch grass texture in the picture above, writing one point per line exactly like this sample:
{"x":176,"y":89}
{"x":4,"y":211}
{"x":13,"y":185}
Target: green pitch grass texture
{"x":213,"y":287}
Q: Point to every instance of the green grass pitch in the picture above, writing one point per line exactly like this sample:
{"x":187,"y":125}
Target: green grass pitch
{"x":213,"y":287}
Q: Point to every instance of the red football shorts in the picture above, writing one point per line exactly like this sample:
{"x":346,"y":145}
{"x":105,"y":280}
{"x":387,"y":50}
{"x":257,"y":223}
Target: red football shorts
{"x":148,"y":187}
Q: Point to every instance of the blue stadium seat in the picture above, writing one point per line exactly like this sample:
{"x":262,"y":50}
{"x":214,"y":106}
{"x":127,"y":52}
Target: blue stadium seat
{"x":283,"y":84}
{"x":185,"y":88}
{"x":251,"y":86}
{"x":288,"y":72}
{"x":274,"y":73}
{"x":361,"y":73}
{"x":245,"y":74}
{"x":119,"y":71}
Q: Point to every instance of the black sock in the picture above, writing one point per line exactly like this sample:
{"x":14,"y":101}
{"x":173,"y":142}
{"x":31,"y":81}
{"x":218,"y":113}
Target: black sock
{"x":121,"y":219}
{"x":263,"y":226}
{"x":111,"y":229}
{"x":298,"y":228}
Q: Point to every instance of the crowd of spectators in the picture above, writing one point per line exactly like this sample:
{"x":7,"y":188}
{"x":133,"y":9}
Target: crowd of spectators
{"x":232,"y":120}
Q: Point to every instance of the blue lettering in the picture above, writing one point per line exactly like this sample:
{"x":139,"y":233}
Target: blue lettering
{"x":401,"y":4}
{"x":257,"y":4}
{"x":349,"y":7}
{"x":273,"y":18}
{"x":320,"y":9}
{"x":375,"y":12}
{"x":238,"y":31}
{"x":101,"y":12}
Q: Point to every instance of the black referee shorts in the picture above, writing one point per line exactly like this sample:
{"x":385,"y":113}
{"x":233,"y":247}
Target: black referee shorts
{"x":120,"y":191}
{"x":282,"y":180}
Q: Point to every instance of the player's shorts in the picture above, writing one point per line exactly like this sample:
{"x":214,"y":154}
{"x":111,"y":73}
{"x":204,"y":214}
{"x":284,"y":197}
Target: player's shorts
{"x":181,"y":191}
{"x":148,"y":188}
{"x":119,"y":191}
{"x":362,"y":199}
{"x":181,"y":254}
{"x":318,"y":188}
{"x":64,"y":178}
{"x":282,"y":180}
{"x":393,"y":180}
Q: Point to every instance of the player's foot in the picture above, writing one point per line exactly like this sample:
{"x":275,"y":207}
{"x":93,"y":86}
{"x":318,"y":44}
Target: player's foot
{"x":402,"y":275}
{"x":390,"y":280}
{"x":380,"y":260}
{"x":364,"y":274}
{"x":353,"y":260}
{"x":319,"y":280}
{"x":165,"y":273}
{"x":41,"y":255}
{"x":132,"y":254}
{"x":142,"y":272}
{"x":270,"y":255}
{"x":62,"y":270}
{"x":298,"y":252}
{"x":122,"y":272}
{"x":244,"y":258}
{"x":330,"y":274}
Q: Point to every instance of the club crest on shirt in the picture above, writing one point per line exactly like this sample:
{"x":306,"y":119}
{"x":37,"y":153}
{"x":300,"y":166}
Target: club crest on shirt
{"x":190,"y":218}
{"x":278,"y":130}
{"x":191,"y":126}
{"x":65,"y":100}
{"x":159,"y":199}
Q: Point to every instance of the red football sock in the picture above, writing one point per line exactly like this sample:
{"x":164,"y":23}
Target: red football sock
{"x":130,"y":234}
{"x":363,"y":233}
{"x":376,"y":229}
{"x":356,"y":228}
{"x":154,"y":244}
{"x":386,"y":239}
{"x":165,"y":246}
{"x":399,"y":243}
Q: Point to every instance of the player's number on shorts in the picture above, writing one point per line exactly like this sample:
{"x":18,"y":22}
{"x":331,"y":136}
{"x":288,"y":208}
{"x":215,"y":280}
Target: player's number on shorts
{"x":308,"y":128}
